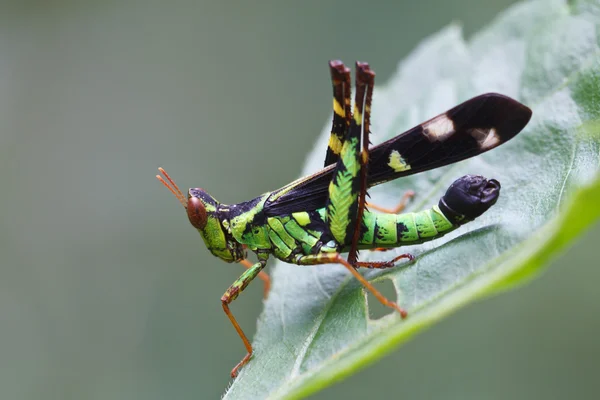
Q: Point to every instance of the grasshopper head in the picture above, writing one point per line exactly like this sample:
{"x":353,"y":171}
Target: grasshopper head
{"x":203,"y":213}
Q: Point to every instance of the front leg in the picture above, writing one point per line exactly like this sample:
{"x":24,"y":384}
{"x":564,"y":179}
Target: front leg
{"x":231,"y":294}
{"x":262,"y":275}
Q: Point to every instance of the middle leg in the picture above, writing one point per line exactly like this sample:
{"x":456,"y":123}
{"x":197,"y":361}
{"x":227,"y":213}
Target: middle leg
{"x":336,"y":258}
{"x":384,"y":264}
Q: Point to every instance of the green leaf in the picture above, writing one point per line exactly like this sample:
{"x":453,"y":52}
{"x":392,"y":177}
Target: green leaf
{"x":316,"y":328}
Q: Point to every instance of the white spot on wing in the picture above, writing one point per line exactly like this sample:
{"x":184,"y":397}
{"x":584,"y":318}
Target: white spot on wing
{"x":492,"y":140}
{"x":439,"y":129}
{"x":486,"y":138}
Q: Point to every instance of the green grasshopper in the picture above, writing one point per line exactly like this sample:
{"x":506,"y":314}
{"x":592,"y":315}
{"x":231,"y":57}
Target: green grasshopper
{"x":316,"y":218}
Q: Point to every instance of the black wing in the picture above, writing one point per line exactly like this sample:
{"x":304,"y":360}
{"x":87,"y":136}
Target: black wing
{"x":469,"y":129}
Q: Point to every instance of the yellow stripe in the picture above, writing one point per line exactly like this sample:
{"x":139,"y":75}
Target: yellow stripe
{"x":365,"y":157}
{"x":335,"y":144}
{"x":338,"y":109}
{"x":357,"y":116}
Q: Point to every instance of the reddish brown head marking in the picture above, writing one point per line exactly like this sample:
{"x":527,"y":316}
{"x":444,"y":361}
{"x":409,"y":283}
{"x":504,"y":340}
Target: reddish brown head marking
{"x":195,"y":209}
{"x":196,"y":212}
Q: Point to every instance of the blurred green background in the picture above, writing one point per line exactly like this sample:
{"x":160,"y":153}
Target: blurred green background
{"x":106,"y":292}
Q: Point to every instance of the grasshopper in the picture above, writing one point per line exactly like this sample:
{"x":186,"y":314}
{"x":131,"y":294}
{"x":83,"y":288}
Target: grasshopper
{"x":315,"y":219}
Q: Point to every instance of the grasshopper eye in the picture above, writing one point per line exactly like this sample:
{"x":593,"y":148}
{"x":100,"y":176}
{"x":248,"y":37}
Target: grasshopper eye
{"x":195,"y":209}
{"x":196,"y":212}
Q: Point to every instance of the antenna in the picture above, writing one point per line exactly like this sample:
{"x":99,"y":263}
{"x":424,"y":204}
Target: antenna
{"x":174,"y":188}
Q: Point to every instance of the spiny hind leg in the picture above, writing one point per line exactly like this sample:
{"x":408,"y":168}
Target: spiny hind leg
{"x":365,"y":80}
{"x":347,"y":190}
{"x":340,"y":80}
{"x":336,"y":258}
{"x":347,"y":185}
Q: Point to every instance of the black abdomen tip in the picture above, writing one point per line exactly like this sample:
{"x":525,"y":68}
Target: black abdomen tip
{"x":469,"y":197}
